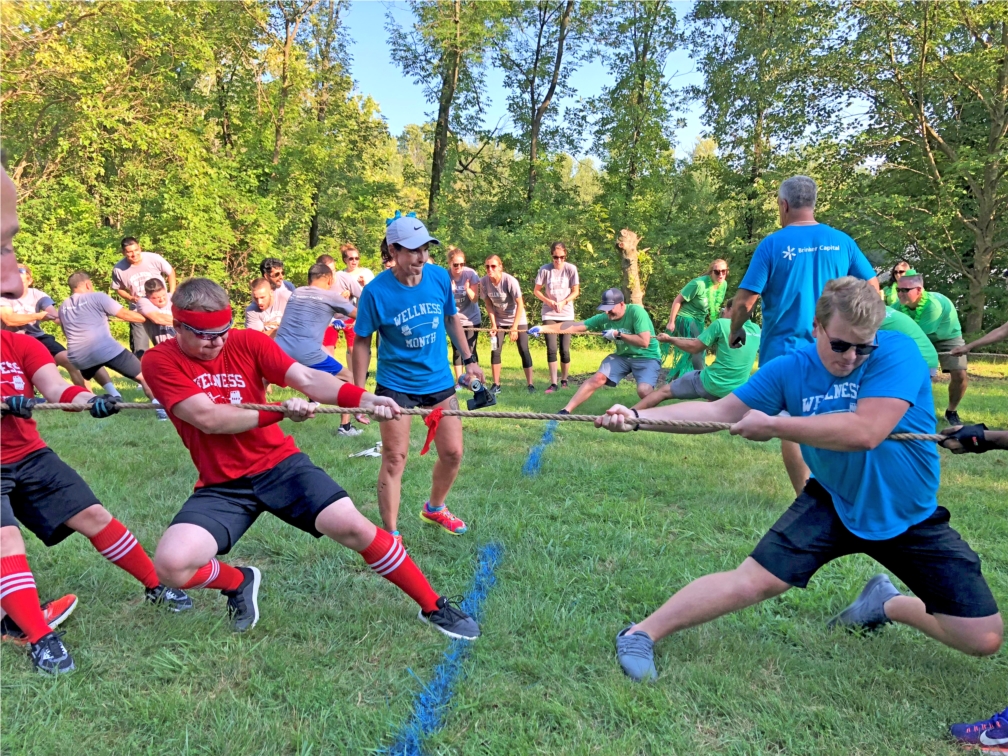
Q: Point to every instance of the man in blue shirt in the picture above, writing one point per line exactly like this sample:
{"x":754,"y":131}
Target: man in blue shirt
{"x":789,"y":270}
{"x":412,"y":306}
{"x":845,"y":393}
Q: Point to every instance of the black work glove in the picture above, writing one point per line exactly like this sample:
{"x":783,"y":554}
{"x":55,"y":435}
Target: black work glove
{"x":19,"y":406}
{"x":966,"y":439}
{"x":103,"y":406}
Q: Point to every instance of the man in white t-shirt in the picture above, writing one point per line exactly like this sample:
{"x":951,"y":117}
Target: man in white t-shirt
{"x":128,"y":278}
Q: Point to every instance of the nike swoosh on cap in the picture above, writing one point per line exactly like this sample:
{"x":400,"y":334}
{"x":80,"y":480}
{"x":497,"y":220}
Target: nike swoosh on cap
{"x":417,"y":228}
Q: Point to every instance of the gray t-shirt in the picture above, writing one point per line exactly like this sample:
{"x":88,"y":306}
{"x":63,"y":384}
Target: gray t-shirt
{"x":84,"y":318}
{"x":156,"y":333}
{"x":131,"y":278}
{"x":347,"y":282}
{"x":503,"y":299}
{"x":468,"y":309}
{"x":34,"y":300}
{"x":260,"y":320}
{"x":309,"y":312}
{"x":557,"y":285}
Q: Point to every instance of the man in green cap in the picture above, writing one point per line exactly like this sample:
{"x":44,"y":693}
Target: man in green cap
{"x":936,"y":316}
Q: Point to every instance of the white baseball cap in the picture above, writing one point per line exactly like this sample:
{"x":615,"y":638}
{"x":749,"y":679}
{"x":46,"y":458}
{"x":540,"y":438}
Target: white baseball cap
{"x":409,"y":233}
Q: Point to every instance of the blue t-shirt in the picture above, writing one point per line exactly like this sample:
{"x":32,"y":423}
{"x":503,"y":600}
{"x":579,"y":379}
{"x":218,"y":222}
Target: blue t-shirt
{"x":878,"y":494}
{"x":789,"y":270}
{"x":410,"y":321}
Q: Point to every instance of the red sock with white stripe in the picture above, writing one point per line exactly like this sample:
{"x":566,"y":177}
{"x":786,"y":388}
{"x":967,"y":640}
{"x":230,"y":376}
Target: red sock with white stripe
{"x":216,"y":575}
{"x":19,"y":597}
{"x":388,"y":558}
{"x":118,"y":545}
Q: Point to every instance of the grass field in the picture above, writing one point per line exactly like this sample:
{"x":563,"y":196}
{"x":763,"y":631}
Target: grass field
{"x":608,"y":529}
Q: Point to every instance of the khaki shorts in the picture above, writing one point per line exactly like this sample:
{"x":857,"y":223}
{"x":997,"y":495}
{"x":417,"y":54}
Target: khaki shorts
{"x":947,"y":361}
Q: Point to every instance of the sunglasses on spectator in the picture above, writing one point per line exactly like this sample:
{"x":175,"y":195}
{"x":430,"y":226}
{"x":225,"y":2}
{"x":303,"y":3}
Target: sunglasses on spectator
{"x":206,"y":335}
{"x":559,"y":257}
{"x":905,"y":289}
{"x":351,"y":259}
{"x":458,"y":265}
{"x":491,"y":267}
{"x":840,"y":346}
{"x":720,"y":271}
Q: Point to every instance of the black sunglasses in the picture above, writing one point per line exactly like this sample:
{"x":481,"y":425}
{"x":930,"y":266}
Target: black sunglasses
{"x":840,"y":346}
{"x":559,"y":257}
{"x":905,"y":289}
{"x":351,"y":259}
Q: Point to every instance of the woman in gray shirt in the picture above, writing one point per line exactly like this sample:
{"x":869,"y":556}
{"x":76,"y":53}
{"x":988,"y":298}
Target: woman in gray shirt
{"x":466,"y":286}
{"x":557,"y":286}
{"x":502,"y":295}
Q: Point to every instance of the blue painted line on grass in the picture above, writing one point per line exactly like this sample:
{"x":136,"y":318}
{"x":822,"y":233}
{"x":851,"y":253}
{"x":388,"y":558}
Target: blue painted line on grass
{"x":433,"y":701}
{"x":535,"y":453}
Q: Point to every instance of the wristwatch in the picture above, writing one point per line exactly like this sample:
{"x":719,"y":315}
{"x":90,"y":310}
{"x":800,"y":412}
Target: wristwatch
{"x":619,"y":335}
{"x":470,"y":360}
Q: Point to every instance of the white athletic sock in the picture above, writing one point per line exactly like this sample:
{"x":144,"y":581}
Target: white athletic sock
{"x":110,"y":389}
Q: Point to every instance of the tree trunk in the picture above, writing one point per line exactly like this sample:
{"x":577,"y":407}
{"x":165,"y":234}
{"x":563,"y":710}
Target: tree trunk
{"x":976,"y":298}
{"x":539,"y":112}
{"x":630,"y":282}
{"x":449,"y":84}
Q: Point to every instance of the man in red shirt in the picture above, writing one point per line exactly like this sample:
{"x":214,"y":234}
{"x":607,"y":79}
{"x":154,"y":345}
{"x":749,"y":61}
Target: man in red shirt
{"x":40,"y":490}
{"x":247,"y":465}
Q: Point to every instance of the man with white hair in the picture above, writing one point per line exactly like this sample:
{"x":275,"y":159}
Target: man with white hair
{"x":789,"y":270}
{"x":845,"y":393}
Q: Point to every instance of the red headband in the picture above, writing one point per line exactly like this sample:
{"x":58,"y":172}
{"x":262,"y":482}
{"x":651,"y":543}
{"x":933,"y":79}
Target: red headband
{"x":203,"y":321}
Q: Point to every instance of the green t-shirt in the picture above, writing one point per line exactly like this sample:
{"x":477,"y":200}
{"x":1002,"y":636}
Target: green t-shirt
{"x":635,"y":320}
{"x":936,"y":316}
{"x":701,"y":299}
{"x":731,"y":367}
{"x":897,"y":321}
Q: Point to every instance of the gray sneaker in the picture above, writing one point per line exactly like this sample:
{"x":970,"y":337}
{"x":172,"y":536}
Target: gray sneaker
{"x":351,"y":431}
{"x":162,"y":415}
{"x":635,"y":654}
{"x":868,"y":610}
{"x":243,"y":602}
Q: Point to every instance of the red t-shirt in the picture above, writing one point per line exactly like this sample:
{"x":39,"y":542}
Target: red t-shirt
{"x":235,"y":376}
{"x":20,"y":357}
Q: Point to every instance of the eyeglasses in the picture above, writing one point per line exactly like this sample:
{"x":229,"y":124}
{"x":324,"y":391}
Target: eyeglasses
{"x":840,"y":346}
{"x":559,"y":257}
{"x":905,"y":289}
{"x":491,"y":267}
{"x":720,"y":271}
{"x":206,"y":335}
{"x":351,"y":259}
{"x":458,"y":265}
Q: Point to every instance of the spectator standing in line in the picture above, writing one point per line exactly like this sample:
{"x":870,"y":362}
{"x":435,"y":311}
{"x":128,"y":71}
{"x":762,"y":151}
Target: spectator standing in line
{"x":557,"y":286}
{"x":465,"y":286}
{"x":889,"y":292}
{"x":699,"y":299}
{"x":272,"y":269}
{"x":502,"y":295}
{"x":128,"y":278}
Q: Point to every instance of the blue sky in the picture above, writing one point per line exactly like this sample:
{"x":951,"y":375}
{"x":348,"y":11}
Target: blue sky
{"x":402,"y":102}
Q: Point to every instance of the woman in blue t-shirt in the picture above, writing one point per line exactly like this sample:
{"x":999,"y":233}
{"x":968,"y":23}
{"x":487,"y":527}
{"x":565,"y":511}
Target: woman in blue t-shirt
{"x":412,"y":306}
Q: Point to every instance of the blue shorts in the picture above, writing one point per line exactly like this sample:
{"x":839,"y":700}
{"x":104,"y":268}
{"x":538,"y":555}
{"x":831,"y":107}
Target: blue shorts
{"x":328,"y":365}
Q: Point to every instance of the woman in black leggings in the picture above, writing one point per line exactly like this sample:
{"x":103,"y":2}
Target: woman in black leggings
{"x":502,"y":295}
{"x":557,"y":286}
{"x":466,"y":286}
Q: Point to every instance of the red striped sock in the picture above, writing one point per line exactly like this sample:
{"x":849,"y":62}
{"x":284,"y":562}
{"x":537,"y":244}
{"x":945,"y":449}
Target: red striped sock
{"x":118,"y":545}
{"x":216,"y":575}
{"x":388,"y":558}
{"x":19,"y":597}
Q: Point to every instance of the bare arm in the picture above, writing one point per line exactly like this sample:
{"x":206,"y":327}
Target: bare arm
{"x":692,"y":346}
{"x":998,"y":334}
{"x":171,"y":282}
{"x":742,"y":307}
{"x":126,"y":295}
{"x":875,"y":284}
{"x":130,"y":316}
{"x":53,"y":314}
{"x":674,"y":312}
{"x":50,"y":383}
{"x":538,"y":293}
{"x":730,"y":409}
{"x":575,"y":293}
{"x":12,"y":319}
{"x":862,"y":430}
{"x":200,"y":411}
{"x":160,"y":318}
{"x":361,"y":359}
{"x":490,"y":313}
{"x":561,"y":327}
{"x":637,"y":339}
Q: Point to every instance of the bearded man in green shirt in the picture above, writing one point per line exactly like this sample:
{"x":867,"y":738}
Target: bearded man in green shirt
{"x":937,"y":317}
{"x":630,"y":327}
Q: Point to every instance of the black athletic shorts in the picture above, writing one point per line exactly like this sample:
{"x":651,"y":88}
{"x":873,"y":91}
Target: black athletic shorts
{"x":50,"y":343}
{"x":124,"y":363}
{"x":931,"y":558}
{"x":295,"y":490}
{"x":409,"y":401}
{"x":42,"y":492}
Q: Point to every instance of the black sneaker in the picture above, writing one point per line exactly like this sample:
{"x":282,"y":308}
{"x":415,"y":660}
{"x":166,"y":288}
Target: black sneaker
{"x":563,"y":412}
{"x":50,"y":656}
{"x":563,"y":383}
{"x":243,"y":603}
{"x":174,"y":599}
{"x":531,"y":389}
{"x":952,"y":417}
{"x":452,"y":621}
{"x":495,"y":389}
